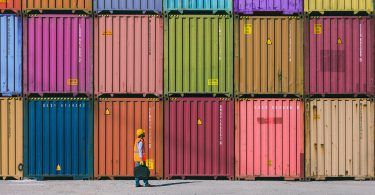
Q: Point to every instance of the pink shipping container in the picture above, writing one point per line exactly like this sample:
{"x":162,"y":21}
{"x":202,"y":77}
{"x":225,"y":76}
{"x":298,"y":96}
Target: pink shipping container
{"x":128,"y":54}
{"x":269,"y":138}
{"x":340,"y":56}
{"x":199,"y":138}
{"x":57,"y":54}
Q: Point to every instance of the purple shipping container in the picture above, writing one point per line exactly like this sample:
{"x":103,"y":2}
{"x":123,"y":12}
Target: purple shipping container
{"x":57,"y":54}
{"x":199,"y":137}
{"x":288,"y":7}
{"x":339,"y":56}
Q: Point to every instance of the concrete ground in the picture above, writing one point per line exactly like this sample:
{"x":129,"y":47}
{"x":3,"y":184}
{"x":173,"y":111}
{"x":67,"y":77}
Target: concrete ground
{"x":187,"y":187}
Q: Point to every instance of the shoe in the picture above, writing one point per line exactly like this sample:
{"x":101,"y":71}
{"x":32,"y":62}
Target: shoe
{"x":149,"y":185}
{"x":139,"y":186}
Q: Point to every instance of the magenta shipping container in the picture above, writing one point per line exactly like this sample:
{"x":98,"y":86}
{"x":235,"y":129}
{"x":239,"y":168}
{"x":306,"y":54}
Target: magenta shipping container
{"x":339,"y":56}
{"x":269,"y":138}
{"x":287,"y":7}
{"x":199,"y":138}
{"x":128,"y":54}
{"x":57,"y":54}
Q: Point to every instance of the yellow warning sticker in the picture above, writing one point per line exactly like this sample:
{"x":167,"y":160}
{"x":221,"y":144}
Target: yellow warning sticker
{"x":269,"y":163}
{"x":199,"y":122}
{"x":317,"y":29}
{"x":269,"y":42}
{"x":213,"y":82}
{"x":339,"y":41}
{"x":107,"y":112}
{"x":3,"y":1}
{"x":248,"y":30}
{"x":72,"y":82}
{"x":58,"y":168}
{"x":316,"y":116}
{"x":107,"y":33}
{"x":150,"y":163}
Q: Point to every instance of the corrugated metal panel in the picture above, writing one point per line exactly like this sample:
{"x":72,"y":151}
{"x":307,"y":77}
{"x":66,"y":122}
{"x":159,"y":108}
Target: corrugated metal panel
{"x":10,"y":55}
{"x":128,"y":54}
{"x":58,"y":138}
{"x":268,"y":55}
{"x":10,"y":5}
{"x":129,"y":5}
{"x":198,"y":54}
{"x":269,"y":138}
{"x":198,"y":5}
{"x":116,"y":121}
{"x":286,"y":6}
{"x":199,"y":137}
{"x":339,"y":5}
{"x":11,"y":135}
{"x":340,"y":138}
{"x":57,"y":54}
{"x":57,"y":5}
{"x":340,"y":56}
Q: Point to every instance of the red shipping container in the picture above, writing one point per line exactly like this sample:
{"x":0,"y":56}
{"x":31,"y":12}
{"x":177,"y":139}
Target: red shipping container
{"x":269,"y":138}
{"x":10,"y":5}
{"x":339,"y":56}
{"x":128,"y":54}
{"x":199,"y":138}
{"x":57,"y":54}
{"x":115,"y":123}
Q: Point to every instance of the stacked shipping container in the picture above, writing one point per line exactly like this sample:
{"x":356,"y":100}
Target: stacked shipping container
{"x":339,"y":65}
{"x":128,"y":64}
{"x":268,"y":53}
{"x":11,"y":104}
{"x":57,"y":63}
{"x":198,"y":63}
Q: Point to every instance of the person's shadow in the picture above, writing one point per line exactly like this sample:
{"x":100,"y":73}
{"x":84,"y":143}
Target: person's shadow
{"x":175,"y":183}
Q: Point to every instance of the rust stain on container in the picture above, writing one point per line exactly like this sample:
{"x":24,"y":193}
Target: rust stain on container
{"x":268,"y":55}
{"x":59,"y":5}
{"x":340,"y":138}
{"x":116,"y":121}
{"x":128,"y":54}
{"x":11,"y":138}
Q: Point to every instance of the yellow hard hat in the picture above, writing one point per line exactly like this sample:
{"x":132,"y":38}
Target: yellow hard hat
{"x":140,"y":132}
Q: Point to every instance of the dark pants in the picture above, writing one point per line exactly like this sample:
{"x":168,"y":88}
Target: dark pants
{"x":137,"y":179}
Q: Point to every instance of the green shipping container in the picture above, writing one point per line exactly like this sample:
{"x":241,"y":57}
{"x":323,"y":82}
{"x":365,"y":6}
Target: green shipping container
{"x":198,"y":55}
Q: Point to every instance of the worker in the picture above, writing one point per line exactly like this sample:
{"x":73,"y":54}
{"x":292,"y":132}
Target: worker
{"x":140,"y":155}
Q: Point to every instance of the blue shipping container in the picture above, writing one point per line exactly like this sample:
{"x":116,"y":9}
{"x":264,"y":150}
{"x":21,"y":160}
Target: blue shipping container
{"x":198,"y":5}
{"x":10,"y":54}
{"x":58,"y":138}
{"x":128,"y":5}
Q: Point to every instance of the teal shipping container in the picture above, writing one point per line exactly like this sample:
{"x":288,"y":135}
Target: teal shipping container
{"x":10,"y":55}
{"x":58,"y":138}
{"x":196,"y":6}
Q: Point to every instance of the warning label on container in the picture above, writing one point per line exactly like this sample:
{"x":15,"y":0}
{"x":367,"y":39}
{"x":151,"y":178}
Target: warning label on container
{"x":72,"y":82}
{"x":213,"y":82}
{"x":317,"y":29}
{"x":248,"y":30}
{"x":150,"y":163}
{"x":107,"y":33}
{"x":3,"y":1}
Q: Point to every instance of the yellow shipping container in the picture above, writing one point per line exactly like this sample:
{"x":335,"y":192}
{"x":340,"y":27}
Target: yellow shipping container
{"x":339,"y":5}
{"x":11,"y":135}
{"x":339,"y":138}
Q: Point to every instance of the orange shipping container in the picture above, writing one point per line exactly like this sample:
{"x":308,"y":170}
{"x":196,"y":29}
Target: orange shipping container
{"x":11,"y":135}
{"x":340,"y":138}
{"x":268,"y":55}
{"x":116,"y":121}
{"x":59,"y":5}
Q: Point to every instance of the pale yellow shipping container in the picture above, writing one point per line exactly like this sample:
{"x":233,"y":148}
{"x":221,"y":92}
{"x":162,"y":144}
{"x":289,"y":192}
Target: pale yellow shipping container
{"x":339,"y":5}
{"x":11,"y":135}
{"x":340,"y":138}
